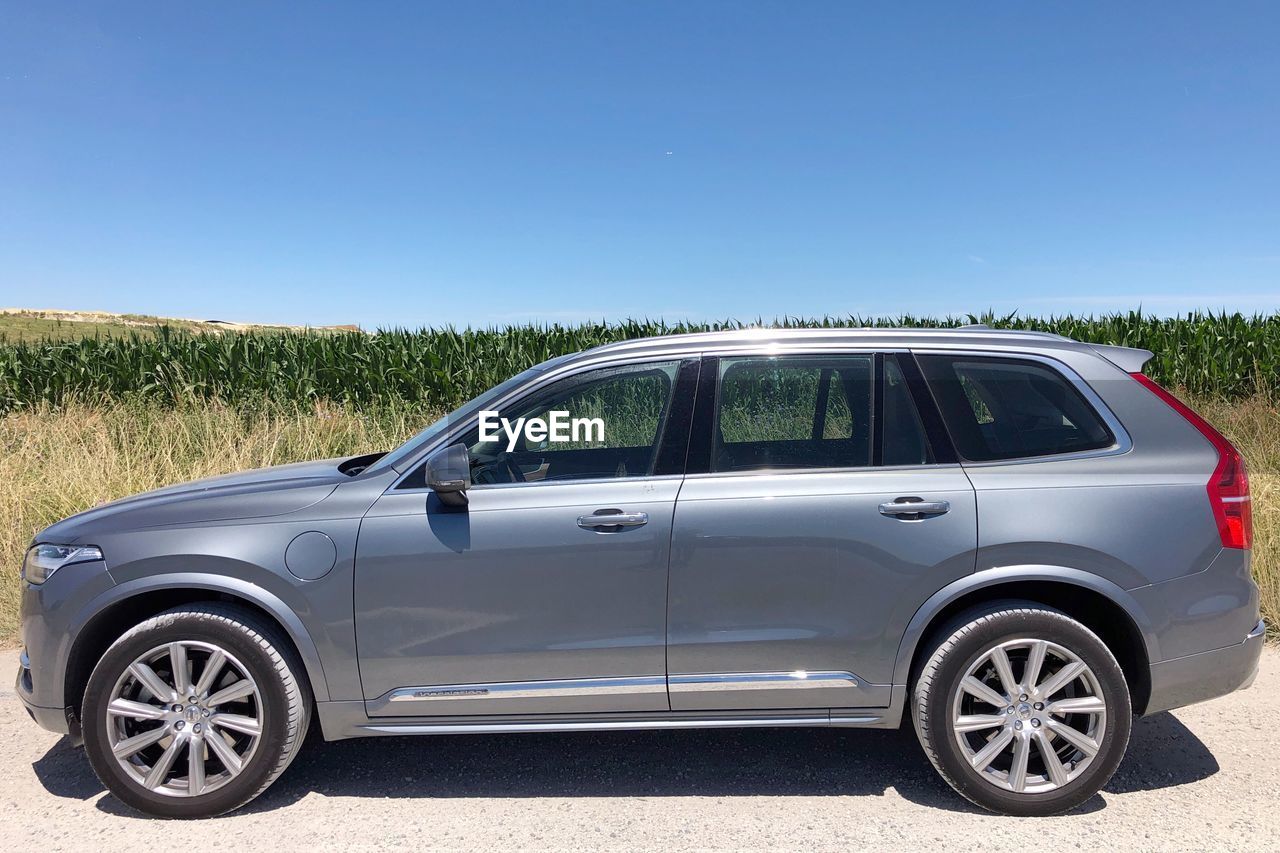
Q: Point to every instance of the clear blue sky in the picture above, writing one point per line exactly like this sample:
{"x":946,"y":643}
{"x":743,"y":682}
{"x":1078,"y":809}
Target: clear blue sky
{"x":416,"y":163}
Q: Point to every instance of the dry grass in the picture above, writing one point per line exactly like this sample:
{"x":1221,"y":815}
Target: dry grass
{"x":54,"y":463}
{"x":1254,"y":427}
{"x":57,"y":462}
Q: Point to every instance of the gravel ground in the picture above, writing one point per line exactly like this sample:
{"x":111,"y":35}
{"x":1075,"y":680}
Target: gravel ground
{"x":1200,"y":778}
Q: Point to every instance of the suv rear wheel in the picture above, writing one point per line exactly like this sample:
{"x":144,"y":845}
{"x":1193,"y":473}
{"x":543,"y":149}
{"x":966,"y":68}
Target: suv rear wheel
{"x":1022,"y":709}
{"x":194,"y":712}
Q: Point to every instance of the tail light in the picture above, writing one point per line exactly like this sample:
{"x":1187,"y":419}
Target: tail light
{"x":1228,"y":487}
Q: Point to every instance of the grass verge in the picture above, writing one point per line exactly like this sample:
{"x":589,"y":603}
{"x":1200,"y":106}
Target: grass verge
{"x":56,"y":462}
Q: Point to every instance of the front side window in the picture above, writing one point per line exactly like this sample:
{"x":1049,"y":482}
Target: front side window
{"x":611,"y":421}
{"x":1006,"y":408}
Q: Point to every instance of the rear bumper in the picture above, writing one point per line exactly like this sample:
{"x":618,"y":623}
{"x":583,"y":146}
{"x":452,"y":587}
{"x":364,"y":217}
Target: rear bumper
{"x":1207,"y":675}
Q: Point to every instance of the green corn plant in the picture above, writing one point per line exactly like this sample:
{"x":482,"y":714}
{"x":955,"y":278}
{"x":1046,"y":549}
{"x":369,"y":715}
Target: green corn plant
{"x":1230,"y":356}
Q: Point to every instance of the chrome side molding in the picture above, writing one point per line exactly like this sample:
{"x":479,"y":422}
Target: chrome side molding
{"x":628,"y":685}
{"x":799,"y":679}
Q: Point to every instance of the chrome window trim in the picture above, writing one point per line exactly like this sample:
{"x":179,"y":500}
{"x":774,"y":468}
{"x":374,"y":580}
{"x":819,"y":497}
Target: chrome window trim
{"x":862,"y":469}
{"x":585,"y":481}
{"x":1123,"y":443}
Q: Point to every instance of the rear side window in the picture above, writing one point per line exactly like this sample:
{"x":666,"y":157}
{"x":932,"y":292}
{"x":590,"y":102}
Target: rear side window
{"x":793,"y":412}
{"x":1005,"y":408}
{"x":816,"y":412}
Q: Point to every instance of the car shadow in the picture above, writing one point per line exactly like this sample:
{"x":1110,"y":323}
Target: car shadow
{"x":1162,"y":753}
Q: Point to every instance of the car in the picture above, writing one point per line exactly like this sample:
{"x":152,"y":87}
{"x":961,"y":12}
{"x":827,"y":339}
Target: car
{"x":1011,"y":541}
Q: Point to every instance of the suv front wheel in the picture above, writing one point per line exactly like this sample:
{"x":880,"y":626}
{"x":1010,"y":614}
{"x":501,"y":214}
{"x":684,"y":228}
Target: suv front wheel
{"x":194,"y":711}
{"x":1022,"y":709}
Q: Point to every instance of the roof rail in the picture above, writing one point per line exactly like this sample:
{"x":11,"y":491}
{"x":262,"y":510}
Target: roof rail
{"x":752,"y":334}
{"x":1026,"y":333}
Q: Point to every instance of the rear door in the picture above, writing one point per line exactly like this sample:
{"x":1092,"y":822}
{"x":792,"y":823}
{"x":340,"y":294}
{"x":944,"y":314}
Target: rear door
{"x":823,"y":505}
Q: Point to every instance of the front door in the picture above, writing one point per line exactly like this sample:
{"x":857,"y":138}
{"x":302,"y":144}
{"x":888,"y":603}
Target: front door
{"x":529,"y":600}
{"x":824,"y":518}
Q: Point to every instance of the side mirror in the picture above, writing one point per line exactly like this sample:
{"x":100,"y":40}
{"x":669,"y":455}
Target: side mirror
{"x":449,"y":474}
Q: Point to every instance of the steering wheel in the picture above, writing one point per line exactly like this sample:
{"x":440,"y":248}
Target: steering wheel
{"x":487,"y":468}
{"x":517,"y":476}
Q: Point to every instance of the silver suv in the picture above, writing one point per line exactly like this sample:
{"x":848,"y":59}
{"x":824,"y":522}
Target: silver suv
{"x":1015,"y":540}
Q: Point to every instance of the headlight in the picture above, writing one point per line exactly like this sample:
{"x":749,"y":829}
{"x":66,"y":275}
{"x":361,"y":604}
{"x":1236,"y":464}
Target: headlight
{"x":43,"y":560}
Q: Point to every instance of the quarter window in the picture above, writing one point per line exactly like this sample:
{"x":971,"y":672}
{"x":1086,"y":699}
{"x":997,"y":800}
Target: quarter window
{"x":1001,"y":408}
{"x":904,"y":439}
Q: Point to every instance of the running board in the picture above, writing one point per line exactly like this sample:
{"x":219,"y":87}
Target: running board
{"x":389,"y":728}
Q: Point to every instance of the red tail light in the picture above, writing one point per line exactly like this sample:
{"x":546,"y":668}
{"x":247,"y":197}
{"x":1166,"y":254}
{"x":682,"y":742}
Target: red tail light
{"x":1229,"y":486}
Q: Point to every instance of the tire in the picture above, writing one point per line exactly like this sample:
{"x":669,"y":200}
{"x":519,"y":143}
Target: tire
{"x":255,"y":703}
{"x":958,"y":727}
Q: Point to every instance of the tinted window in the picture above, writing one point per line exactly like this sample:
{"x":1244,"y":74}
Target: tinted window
{"x":793,"y":413}
{"x":904,"y":435}
{"x":998,"y":408}
{"x":405,"y":452}
{"x":630,"y":404}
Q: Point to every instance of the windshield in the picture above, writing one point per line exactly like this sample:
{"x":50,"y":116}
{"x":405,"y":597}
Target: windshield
{"x":404,"y":454}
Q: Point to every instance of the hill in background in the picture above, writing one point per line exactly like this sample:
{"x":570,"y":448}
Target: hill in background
{"x":23,"y":325}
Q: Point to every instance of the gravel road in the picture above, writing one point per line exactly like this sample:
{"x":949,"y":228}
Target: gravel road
{"x":1201,"y":778}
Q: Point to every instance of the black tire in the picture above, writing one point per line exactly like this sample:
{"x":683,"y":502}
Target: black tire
{"x":283,"y":690}
{"x":962,"y":644}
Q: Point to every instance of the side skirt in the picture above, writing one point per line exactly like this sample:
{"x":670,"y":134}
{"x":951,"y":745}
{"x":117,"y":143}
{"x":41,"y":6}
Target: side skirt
{"x":341,"y":720}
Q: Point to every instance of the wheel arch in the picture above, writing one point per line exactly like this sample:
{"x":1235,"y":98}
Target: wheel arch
{"x":1099,"y":604}
{"x":127,"y":604}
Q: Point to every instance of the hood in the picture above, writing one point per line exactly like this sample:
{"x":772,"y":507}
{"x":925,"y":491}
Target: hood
{"x":260,"y":493}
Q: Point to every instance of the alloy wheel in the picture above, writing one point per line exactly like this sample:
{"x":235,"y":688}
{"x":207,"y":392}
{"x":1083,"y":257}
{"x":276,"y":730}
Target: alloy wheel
{"x":1029,"y":716}
{"x":184,"y":718}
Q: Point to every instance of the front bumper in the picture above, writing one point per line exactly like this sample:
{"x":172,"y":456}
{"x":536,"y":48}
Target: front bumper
{"x":1207,"y":675}
{"x":59,"y":720}
{"x":53,"y":614}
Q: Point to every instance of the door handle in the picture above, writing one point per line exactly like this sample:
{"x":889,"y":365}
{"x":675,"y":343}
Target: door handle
{"x":605,"y":518}
{"x":912,"y":509}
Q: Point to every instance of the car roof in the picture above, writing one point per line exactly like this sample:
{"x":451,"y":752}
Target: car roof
{"x":961,"y":337}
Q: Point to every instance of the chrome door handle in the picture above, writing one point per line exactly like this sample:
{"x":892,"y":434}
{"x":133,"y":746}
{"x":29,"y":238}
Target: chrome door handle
{"x":613,"y":519}
{"x":914,"y":507}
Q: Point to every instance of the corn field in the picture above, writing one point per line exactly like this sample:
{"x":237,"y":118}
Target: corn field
{"x":1230,"y":356}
